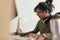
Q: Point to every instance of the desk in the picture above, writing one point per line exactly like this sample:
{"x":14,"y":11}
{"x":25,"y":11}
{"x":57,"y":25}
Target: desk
{"x":17,"y":37}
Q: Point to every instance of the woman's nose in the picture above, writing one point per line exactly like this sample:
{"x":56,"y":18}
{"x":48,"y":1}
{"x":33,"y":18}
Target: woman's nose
{"x":37,"y":13}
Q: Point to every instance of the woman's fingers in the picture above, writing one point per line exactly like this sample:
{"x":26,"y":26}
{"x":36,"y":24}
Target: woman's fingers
{"x":36,"y":36}
{"x":41,"y":38}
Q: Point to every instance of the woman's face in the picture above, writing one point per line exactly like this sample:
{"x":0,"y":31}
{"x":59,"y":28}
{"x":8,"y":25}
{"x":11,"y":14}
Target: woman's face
{"x":42,"y":14}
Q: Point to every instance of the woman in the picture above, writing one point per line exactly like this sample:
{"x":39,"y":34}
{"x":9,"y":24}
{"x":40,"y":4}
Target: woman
{"x":43,"y":10}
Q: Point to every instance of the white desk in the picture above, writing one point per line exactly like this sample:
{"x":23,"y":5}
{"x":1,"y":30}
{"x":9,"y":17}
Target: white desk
{"x":14,"y":37}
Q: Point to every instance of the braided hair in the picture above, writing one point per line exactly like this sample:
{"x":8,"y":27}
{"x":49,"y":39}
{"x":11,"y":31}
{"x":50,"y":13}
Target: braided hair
{"x":47,"y":5}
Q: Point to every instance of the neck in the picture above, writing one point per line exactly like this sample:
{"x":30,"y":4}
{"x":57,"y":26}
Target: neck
{"x":46,"y":18}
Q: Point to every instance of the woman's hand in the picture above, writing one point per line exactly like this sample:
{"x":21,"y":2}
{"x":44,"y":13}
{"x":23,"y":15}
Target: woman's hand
{"x":40,"y":37}
{"x":31,"y":35}
{"x":36,"y":36}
